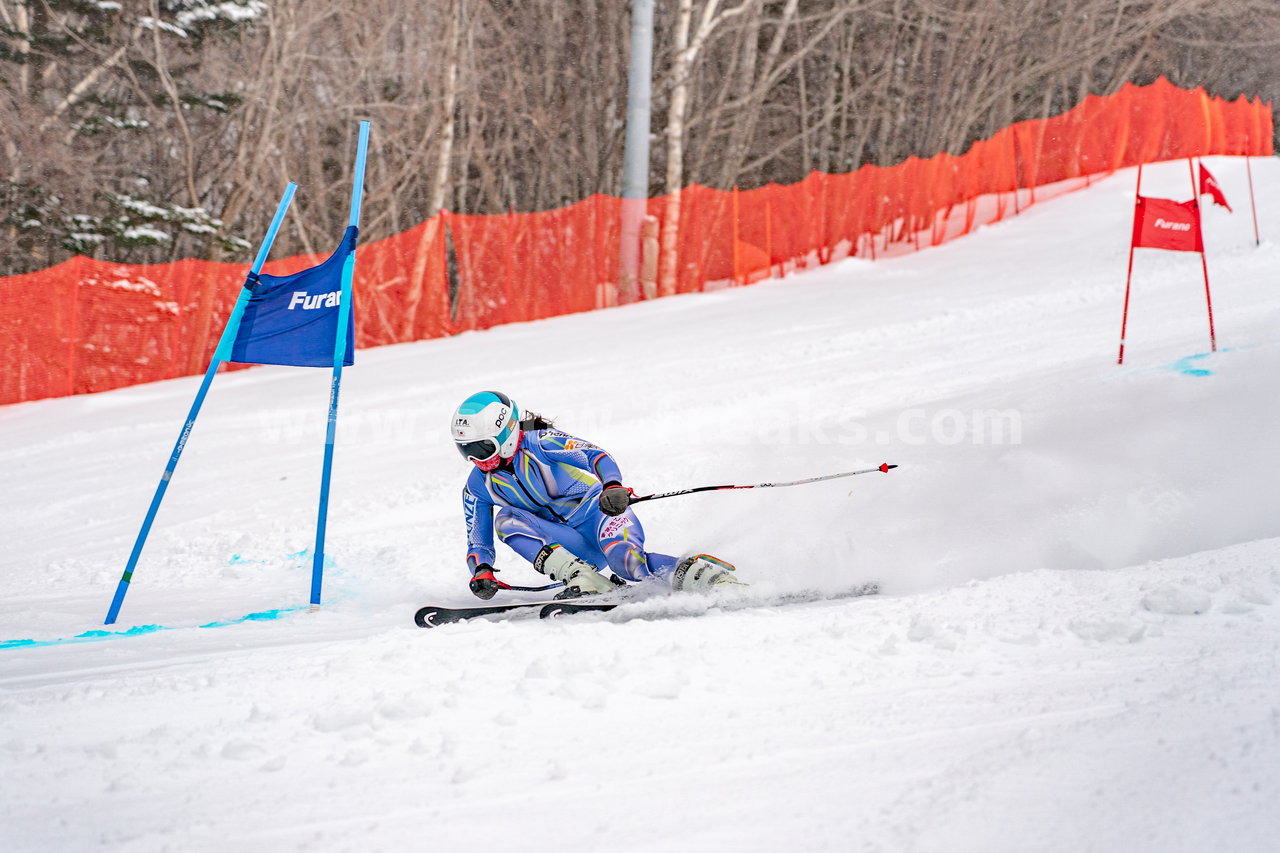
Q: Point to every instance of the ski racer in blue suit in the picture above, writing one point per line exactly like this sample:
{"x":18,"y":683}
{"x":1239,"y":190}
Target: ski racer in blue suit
{"x":560,"y":504}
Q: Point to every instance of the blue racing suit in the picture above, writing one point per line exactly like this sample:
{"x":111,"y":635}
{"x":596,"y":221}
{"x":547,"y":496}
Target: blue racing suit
{"x":546,"y":494}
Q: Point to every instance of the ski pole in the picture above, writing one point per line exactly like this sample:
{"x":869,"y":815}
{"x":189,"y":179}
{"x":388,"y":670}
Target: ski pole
{"x":884,"y":468}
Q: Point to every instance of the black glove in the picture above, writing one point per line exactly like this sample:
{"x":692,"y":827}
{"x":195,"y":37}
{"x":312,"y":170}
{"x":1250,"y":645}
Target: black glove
{"x":614,"y":499}
{"x":483,"y":583}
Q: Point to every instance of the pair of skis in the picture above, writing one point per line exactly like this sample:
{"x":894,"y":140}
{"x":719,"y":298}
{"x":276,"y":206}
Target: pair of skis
{"x":675,"y":604}
{"x":433,"y":616}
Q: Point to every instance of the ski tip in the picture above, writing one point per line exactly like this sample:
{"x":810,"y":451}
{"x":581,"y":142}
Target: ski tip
{"x":886,"y":466}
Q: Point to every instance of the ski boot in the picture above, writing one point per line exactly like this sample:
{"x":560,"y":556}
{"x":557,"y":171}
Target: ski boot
{"x":702,"y":572}
{"x":579,"y":577}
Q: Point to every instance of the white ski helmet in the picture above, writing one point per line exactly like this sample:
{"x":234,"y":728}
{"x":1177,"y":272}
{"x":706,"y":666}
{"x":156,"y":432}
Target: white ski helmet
{"x":486,"y":429}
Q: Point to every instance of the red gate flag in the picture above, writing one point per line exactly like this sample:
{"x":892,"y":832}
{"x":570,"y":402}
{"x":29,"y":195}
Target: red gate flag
{"x":1209,"y":185}
{"x":1161,"y":223}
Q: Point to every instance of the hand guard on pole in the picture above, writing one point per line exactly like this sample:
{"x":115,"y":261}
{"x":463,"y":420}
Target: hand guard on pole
{"x":615,"y":499}
{"x":483,"y":583}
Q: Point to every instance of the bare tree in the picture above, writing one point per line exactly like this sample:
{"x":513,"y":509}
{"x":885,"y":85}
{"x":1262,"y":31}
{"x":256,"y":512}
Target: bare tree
{"x":453,"y":50}
{"x":147,"y":130}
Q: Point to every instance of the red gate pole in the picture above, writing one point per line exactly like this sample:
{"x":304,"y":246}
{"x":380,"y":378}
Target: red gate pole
{"x":1128,"y":279}
{"x":1257,"y":240}
{"x":1124,"y":321}
{"x":1204,"y":263}
{"x":1213,"y":338}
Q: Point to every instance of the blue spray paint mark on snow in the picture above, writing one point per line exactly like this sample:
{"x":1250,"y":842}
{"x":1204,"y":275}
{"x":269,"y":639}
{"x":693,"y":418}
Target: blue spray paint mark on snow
{"x":137,"y":630}
{"x":1186,"y":368}
{"x":298,"y":557}
{"x":264,"y":616}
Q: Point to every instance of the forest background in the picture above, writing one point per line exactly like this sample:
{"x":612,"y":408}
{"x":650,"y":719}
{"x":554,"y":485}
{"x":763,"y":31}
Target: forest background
{"x":153,"y":130}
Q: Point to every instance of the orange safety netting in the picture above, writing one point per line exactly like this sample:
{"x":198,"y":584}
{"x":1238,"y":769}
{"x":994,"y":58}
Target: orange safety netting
{"x":87,"y":325}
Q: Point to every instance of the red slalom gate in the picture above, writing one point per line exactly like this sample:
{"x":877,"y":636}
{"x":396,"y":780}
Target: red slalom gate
{"x":1161,"y":223}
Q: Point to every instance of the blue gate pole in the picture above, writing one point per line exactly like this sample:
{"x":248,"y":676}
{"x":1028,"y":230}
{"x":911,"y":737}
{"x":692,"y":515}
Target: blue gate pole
{"x":219,"y":355}
{"x":339,"y":356}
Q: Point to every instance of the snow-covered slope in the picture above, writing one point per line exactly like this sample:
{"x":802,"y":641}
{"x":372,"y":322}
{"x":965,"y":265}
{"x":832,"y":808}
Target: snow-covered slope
{"x":1077,"y":647}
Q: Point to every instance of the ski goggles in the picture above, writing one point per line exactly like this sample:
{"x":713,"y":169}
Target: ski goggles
{"x":483,"y":450}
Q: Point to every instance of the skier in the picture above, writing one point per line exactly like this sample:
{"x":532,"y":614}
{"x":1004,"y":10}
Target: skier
{"x":561,"y":505}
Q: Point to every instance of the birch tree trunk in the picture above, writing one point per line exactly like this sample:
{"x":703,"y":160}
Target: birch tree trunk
{"x":685,"y":54}
{"x":440,"y":182}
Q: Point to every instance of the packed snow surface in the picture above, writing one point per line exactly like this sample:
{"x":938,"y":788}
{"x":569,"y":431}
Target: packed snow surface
{"x":1076,"y":647}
